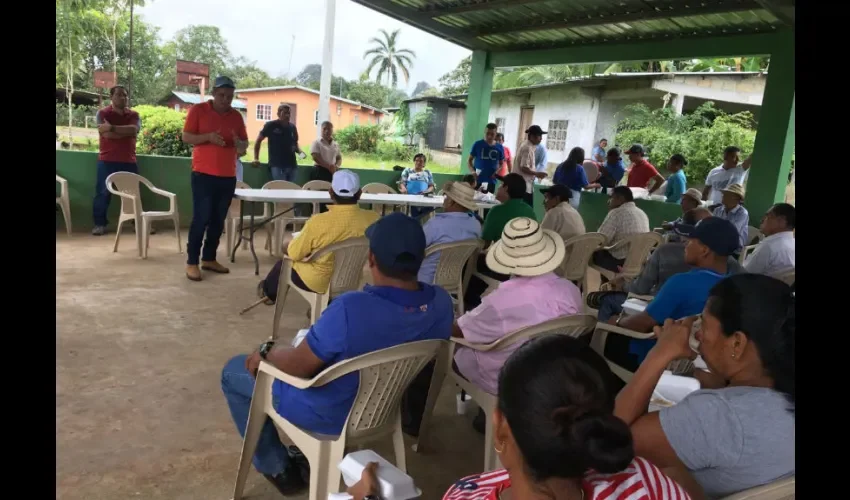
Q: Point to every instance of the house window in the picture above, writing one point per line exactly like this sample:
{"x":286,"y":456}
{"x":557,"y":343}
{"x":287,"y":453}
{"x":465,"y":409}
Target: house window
{"x":500,"y":125}
{"x":177,"y":107}
{"x":264,"y":112}
{"x":338,"y":108}
{"x":556,"y":137}
{"x":356,"y":118}
{"x":316,"y":117}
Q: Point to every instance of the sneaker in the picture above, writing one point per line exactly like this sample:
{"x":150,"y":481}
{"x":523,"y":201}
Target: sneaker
{"x":288,"y":482}
{"x":98,"y":231}
{"x":214,"y":266}
{"x":193,"y":272}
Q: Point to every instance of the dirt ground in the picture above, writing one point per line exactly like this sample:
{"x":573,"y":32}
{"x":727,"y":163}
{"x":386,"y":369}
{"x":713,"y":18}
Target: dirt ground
{"x":140,"y":414}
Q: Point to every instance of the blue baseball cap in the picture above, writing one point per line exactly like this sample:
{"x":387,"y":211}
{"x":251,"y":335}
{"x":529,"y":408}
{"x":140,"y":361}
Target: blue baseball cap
{"x":719,"y":235}
{"x":223,"y":82}
{"x":397,"y":242}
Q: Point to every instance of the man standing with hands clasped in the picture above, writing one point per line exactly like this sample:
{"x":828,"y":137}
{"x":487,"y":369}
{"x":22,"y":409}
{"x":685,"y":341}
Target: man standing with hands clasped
{"x":117,"y":126}
{"x":218,"y":133}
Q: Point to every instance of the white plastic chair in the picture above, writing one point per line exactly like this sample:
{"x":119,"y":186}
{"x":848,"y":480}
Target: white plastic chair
{"x":384,"y":377}
{"x":600,"y":336}
{"x":64,"y":202}
{"x":579,"y":250}
{"x":378,"y":188}
{"x":276,"y":229}
{"x":640,"y":246}
{"x":126,"y":186}
{"x":788,"y":276}
{"x":349,"y":257}
{"x":316,"y":186}
{"x":754,"y":235}
{"x":781,"y":489}
{"x":449,"y":273}
{"x":591,"y":170}
{"x":231,"y":223}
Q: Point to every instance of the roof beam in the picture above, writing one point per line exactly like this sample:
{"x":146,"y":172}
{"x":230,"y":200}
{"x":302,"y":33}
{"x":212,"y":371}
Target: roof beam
{"x":783,"y":10}
{"x":414,"y":18}
{"x":640,"y":50}
{"x":439,"y":10}
{"x":620,"y":17}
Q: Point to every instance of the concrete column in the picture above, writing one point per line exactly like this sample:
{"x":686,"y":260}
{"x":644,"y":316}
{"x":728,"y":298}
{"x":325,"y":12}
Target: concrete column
{"x":477,"y":102}
{"x":678,"y":103}
{"x":774,"y":142}
{"x":327,"y":66}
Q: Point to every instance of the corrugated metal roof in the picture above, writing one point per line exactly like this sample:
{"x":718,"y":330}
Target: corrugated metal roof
{"x":190,"y":98}
{"x":306,"y":89}
{"x":500,"y":25}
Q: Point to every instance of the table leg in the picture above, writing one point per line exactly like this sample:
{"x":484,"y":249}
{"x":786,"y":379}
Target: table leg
{"x":251,"y":243}
{"x":239,"y":234}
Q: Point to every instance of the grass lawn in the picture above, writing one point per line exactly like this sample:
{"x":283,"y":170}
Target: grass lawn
{"x":356,"y":160}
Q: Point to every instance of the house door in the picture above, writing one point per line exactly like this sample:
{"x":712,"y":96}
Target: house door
{"x":526,"y":117}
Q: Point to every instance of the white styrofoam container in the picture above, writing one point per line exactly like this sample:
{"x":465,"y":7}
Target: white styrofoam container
{"x":395,"y":484}
{"x":634,"y":306}
{"x":671,"y":389}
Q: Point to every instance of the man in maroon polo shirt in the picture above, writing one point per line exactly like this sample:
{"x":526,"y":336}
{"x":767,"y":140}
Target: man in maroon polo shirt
{"x":117,"y":126}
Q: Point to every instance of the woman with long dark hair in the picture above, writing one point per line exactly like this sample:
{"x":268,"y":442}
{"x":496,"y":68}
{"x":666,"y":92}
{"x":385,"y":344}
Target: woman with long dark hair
{"x":571,"y":173}
{"x":737,"y":432}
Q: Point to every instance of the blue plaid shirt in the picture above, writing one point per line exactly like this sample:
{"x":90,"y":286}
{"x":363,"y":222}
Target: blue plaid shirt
{"x":739,"y":217}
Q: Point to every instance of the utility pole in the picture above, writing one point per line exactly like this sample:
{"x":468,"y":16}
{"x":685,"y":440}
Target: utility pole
{"x":291,"y":50}
{"x":130,"y":68}
{"x":327,"y":62}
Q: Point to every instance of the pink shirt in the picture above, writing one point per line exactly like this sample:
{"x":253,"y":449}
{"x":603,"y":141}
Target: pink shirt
{"x":517,"y":303}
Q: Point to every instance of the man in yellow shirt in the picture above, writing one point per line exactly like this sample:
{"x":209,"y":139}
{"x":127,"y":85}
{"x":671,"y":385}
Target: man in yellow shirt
{"x":343,"y":220}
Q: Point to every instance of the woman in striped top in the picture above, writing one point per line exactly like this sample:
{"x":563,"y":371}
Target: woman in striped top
{"x":556,"y":434}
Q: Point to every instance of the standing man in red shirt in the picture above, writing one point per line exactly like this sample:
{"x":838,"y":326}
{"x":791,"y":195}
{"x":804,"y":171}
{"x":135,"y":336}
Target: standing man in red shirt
{"x":218,"y":133}
{"x":117,"y":126}
{"x":642,"y":171}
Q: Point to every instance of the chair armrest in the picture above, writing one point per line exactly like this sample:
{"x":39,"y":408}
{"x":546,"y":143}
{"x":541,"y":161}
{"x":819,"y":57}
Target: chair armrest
{"x":486,"y":279}
{"x":300,"y":383}
{"x":646,"y":298}
{"x":615,"y":245}
{"x":471,"y":345}
{"x":172,"y":198}
{"x":623,"y":331}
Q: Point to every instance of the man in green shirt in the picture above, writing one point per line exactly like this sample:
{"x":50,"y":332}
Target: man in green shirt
{"x":511,"y":205}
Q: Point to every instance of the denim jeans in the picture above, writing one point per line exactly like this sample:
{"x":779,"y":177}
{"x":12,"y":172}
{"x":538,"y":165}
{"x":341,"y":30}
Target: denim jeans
{"x":283,"y":173}
{"x":102,"y":196}
{"x":211,"y":197}
{"x":237,"y":385}
{"x":611,"y":305}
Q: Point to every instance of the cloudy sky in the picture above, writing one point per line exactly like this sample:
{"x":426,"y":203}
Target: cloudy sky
{"x":262,"y":30}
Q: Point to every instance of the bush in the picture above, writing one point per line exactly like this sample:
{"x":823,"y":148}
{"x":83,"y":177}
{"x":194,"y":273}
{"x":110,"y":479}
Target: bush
{"x":360,"y":138}
{"x":700,"y":136}
{"x":162,"y":132}
{"x":392,"y":150}
{"x":80,"y":114}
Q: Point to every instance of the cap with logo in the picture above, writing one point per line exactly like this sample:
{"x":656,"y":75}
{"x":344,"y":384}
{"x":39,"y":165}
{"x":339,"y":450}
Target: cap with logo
{"x":223,"y":82}
{"x":398,"y":242}
{"x":535,"y":130}
{"x":345,"y":183}
{"x":719,"y":235}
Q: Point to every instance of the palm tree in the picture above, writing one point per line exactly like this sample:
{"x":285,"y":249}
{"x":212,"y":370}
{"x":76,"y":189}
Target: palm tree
{"x":389,"y":58}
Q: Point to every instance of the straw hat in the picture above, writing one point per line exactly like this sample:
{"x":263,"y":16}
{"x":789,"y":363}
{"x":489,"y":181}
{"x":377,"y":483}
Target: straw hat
{"x":734,"y":189}
{"x":461,"y":193}
{"x":526,"y":250}
{"x":694,"y":193}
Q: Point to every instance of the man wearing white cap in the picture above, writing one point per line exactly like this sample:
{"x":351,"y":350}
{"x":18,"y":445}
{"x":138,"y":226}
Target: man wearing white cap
{"x":732,"y":210}
{"x":455,"y":223}
{"x":344,"y":219}
{"x":533,"y":295}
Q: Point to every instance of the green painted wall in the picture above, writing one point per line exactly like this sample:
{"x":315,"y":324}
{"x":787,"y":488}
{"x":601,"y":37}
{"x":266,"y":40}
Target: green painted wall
{"x":173,"y":174}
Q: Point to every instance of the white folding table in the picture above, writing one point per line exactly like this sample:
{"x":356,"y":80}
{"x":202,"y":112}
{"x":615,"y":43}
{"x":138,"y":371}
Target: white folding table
{"x":254,"y":196}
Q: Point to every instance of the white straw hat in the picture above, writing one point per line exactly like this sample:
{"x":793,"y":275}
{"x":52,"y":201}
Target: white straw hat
{"x":526,"y":250}
{"x":461,"y":193}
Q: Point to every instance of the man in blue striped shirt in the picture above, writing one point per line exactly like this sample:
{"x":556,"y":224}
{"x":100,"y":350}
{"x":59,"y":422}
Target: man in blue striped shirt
{"x":732,"y":210}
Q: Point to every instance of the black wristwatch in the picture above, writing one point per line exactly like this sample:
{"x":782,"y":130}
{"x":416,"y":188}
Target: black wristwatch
{"x":265,"y":347}
{"x":371,"y":497}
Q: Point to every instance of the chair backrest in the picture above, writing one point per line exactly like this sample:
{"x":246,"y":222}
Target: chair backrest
{"x":281,"y":207}
{"x":316,"y":186}
{"x":574,"y":325}
{"x":127,"y":183}
{"x":384,"y":377}
{"x":378,"y":188}
{"x":754,"y":235}
{"x":234,"y":210}
{"x":782,"y":489}
{"x":640,"y":246}
{"x":453,"y":256}
{"x":579,"y":250}
{"x":349,"y":257}
{"x":63,"y":187}
{"x":788,"y":276}
{"x":591,"y":169}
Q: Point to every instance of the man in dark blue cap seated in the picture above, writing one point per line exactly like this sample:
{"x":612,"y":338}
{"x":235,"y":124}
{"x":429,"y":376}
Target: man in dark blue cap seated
{"x":397,"y":309}
{"x":709,"y":244}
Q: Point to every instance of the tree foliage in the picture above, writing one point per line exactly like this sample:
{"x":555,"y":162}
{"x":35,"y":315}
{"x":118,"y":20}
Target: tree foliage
{"x":162,"y":132}
{"x":700,"y":136}
{"x":456,"y":81}
{"x":389,"y":58}
{"x":420,"y":88}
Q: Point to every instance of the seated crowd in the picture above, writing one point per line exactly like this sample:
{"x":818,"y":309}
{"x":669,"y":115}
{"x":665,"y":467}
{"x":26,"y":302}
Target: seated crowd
{"x":565,"y":426}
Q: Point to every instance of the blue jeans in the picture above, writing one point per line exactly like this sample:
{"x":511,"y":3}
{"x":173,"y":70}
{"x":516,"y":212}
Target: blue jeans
{"x":237,"y":385}
{"x":211,"y":198}
{"x":417,"y":212}
{"x":283,"y":173}
{"x":611,"y":305}
{"x":102,"y":196}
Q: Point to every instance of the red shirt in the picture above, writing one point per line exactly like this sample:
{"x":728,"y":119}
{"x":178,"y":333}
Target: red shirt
{"x":208,"y":158}
{"x":639,"y":481}
{"x":504,"y":170}
{"x":640,"y":174}
{"x":122,"y":149}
